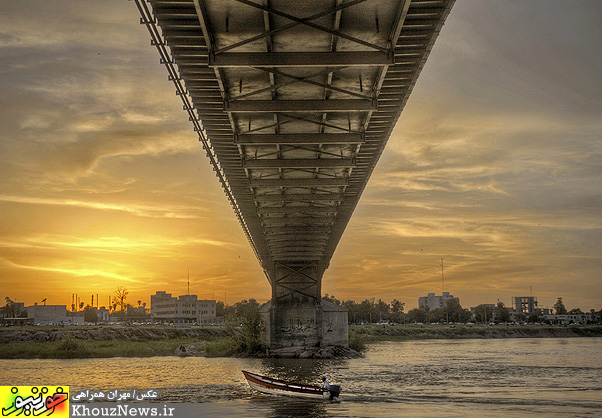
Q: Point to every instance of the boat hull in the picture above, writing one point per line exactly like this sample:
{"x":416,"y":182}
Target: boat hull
{"x":278,"y":387}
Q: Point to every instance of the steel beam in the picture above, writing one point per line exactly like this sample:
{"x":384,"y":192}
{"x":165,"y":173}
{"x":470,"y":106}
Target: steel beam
{"x":294,"y":238}
{"x":300,"y":139}
{"x":301,"y":59}
{"x":299,"y":197}
{"x":343,"y":105}
{"x":297,"y":209}
{"x":319,"y":182}
{"x":300,"y":163}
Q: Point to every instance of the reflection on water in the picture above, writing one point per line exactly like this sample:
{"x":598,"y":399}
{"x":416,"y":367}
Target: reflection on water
{"x":463,"y":378}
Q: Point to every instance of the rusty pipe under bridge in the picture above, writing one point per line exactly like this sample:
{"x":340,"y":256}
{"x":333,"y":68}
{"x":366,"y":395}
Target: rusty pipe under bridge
{"x":293,"y":102}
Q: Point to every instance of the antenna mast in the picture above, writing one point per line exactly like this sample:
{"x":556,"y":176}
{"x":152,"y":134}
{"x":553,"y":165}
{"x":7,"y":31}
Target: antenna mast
{"x":442,"y":279}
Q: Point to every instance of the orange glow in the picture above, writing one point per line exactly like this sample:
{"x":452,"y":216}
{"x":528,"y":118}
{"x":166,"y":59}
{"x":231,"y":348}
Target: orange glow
{"x":494,"y":166}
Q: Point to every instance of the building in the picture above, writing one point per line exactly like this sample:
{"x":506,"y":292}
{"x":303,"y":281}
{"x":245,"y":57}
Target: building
{"x":183,"y":309}
{"x":435,"y":302}
{"x":524,"y":304}
{"x":47,"y":314}
{"x":569,"y":319}
{"x":102,"y":313}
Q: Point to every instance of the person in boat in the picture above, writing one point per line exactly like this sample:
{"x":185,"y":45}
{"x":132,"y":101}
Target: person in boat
{"x":325,"y":384}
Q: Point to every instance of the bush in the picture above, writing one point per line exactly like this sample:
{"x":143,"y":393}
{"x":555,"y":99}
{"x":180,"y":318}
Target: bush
{"x":69,"y":347}
{"x":224,"y":347}
{"x":357,"y":341}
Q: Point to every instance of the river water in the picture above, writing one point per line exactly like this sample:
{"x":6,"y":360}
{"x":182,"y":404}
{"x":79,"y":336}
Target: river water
{"x":434,"y":378}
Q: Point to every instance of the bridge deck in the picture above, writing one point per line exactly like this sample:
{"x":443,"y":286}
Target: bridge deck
{"x":296,"y":101}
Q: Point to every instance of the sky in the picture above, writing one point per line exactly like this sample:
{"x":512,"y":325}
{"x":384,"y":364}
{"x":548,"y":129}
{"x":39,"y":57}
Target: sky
{"x":495,"y":166}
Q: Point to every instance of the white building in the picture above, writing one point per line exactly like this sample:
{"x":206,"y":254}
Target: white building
{"x":435,"y":302}
{"x":567,"y":319}
{"x":183,"y":309}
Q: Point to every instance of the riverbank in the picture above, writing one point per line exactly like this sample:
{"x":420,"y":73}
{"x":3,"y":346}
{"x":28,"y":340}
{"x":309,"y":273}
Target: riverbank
{"x":106,"y":341}
{"x":372,"y":333}
{"x":148,"y":341}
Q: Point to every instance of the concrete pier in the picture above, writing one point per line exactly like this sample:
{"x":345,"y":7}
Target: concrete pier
{"x":296,"y":316}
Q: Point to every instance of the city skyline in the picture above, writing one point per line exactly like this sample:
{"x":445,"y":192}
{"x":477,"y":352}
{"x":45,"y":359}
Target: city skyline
{"x":146,"y":299}
{"x":494,"y":166}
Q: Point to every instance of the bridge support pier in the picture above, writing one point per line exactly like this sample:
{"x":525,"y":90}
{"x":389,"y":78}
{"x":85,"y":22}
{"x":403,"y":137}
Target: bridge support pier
{"x":296,"y":316}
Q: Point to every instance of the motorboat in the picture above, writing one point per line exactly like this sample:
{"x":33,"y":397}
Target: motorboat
{"x":279,"y":387}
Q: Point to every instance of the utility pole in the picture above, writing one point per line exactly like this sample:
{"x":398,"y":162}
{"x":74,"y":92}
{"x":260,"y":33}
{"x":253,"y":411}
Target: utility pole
{"x":188,"y":282}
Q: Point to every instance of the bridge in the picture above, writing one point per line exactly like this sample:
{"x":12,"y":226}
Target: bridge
{"x":293,"y":102}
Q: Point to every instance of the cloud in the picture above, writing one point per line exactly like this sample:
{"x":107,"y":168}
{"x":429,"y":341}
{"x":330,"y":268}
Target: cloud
{"x":138,"y":210}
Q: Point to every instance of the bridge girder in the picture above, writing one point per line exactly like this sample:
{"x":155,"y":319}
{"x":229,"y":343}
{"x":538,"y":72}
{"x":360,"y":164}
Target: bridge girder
{"x":294,"y":103}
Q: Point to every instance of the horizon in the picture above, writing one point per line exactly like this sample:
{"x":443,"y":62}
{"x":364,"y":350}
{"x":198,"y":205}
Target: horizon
{"x":407,"y":307}
{"x":494,"y":166}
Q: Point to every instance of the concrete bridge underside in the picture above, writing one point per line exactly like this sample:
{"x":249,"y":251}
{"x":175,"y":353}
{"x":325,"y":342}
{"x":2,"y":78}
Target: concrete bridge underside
{"x":294,"y":102}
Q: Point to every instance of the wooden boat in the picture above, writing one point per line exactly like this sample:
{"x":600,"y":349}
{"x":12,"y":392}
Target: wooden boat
{"x":279,"y":387}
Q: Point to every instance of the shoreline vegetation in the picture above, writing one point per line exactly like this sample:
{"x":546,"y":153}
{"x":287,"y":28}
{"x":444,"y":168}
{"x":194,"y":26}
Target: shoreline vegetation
{"x":145,"y":341}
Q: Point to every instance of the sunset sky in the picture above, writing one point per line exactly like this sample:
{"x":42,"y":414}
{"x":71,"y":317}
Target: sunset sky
{"x":495,"y":166}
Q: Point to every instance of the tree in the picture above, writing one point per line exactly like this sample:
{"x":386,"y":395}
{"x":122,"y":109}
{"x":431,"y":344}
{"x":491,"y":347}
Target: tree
{"x":482,"y":313}
{"x":396,"y":311}
{"x":90,"y":314}
{"x":502,"y":314}
{"x":576,"y":311}
{"x":437,"y":315}
{"x":121,"y":294}
{"x":535,"y":317}
{"x":455,"y":313}
{"x":9,"y":310}
{"x":397,"y":306}
{"x":383,"y":309}
{"x":559,"y":307}
{"x":332,"y":299}
{"x":418,"y":315}
{"x":245,"y":325}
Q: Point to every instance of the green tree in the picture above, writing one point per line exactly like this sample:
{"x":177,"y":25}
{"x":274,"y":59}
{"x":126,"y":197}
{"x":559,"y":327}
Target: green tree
{"x":90,"y":314}
{"x":383,"y":309}
{"x":396,"y":311}
{"x":418,"y":315}
{"x":352,"y":311}
{"x":437,"y":315}
{"x":9,"y":310}
{"x":245,"y":325}
{"x":482,"y":313}
{"x":535,"y":317}
{"x":576,"y":311}
{"x":559,"y":307}
{"x":332,"y":299}
{"x":502,"y":314}
{"x":455,"y":313}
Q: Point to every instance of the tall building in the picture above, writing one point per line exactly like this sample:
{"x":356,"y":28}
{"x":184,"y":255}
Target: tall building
{"x":435,"y":302}
{"x":183,"y":309}
{"x":524,"y":304}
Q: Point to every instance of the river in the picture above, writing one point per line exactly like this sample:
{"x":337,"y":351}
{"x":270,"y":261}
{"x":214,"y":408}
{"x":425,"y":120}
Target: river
{"x":435,"y":378}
